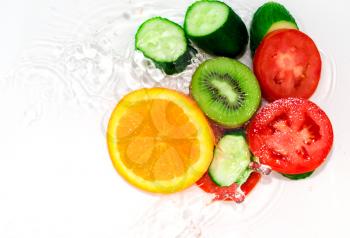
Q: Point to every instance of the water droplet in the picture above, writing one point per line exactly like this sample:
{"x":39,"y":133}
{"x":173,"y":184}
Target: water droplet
{"x":260,"y":168}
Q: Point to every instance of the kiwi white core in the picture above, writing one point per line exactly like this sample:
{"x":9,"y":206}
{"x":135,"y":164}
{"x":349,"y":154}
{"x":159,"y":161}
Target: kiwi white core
{"x":225,"y":90}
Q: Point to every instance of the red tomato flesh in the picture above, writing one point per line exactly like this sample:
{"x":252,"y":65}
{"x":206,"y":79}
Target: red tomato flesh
{"x":292,"y":136}
{"x":287,"y":63}
{"x":228,"y":193}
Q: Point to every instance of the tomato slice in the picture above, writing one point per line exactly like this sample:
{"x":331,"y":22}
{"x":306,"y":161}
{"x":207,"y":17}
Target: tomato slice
{"x":292,"y":136}
{"x":228,"y":193}
{"x":287,"y":63}
{"x":252,"y":181}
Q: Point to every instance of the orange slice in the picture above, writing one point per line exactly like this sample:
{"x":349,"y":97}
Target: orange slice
{"x":159,"y":140}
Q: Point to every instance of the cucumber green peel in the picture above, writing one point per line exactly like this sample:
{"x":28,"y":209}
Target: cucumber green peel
{"x":298,"y":176}
{"x":269,"y":17}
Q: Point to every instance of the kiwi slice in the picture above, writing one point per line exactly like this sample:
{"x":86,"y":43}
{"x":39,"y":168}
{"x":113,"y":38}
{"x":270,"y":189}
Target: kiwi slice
{"x":226,"y":91}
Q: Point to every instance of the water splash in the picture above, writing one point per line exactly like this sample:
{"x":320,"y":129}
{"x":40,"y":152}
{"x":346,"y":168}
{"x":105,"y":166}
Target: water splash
{"x":95,"y":64}
{"x":134,"y":71}
{"x":43,"y":86}
{"x":188,"y":213}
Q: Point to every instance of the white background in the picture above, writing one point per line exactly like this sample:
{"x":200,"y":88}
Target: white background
{"x":56,"y":179}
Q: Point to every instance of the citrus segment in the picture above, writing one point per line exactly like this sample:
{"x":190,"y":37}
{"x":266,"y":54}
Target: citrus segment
{"x":159,"y":140}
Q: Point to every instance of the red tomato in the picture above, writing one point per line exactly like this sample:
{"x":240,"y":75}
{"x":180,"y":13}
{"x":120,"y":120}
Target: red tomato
{"x":228,"y":193}
{"x":292,"y":135}
{"x":287,"y":64}
{"x":252,"y":181}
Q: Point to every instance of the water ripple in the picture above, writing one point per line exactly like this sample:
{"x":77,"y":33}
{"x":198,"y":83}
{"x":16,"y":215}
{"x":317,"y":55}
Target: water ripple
{"x":91,"y":61}
{"x":326,"y":87}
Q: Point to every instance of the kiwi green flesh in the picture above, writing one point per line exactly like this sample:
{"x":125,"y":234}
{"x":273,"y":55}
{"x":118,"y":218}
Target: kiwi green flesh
{"x":226,"y":91}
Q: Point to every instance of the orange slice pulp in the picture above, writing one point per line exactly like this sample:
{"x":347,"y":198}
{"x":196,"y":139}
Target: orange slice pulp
{"x":159,"y":140}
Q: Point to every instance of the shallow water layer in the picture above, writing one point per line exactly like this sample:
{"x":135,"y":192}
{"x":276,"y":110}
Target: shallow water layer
{"x":90,"y":61}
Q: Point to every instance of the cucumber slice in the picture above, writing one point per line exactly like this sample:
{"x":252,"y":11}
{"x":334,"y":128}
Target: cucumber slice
{"x":216,"y":28}
{"x":164,"y":42}
{"x":231,"y":160}
{"x":298,"y":176}
{"x":269,"y":17}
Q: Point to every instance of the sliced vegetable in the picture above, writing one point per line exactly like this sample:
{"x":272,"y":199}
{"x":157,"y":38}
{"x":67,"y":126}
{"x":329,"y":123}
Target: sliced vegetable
{"x":242,"y":179}
{"x":230,"y":193}
{"x":269,"y":17}
{"x":164,"y":42}
{"x":250,"y":184}
{"x":216,"y":28}
{"x":231,"y":160}
{"x":287,"y":63}
{"x":292,"y":136}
